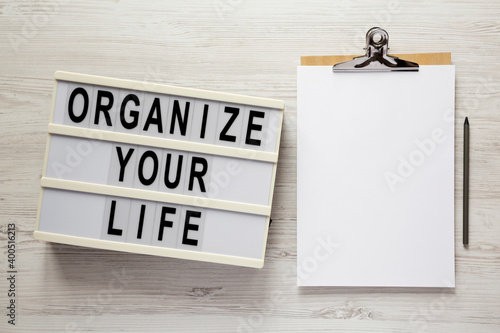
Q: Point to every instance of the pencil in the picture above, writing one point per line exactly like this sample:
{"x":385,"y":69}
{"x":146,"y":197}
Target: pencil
{"x":466,"y":183}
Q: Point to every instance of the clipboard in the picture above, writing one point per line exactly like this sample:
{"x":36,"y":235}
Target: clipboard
{"x":353,"y":228}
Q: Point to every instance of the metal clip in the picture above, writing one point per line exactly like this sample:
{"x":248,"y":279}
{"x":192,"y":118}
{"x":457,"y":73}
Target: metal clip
{"x":376,"y":58}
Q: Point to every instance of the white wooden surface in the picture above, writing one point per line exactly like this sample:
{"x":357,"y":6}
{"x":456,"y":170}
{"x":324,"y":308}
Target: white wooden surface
{"x":247,"y":47}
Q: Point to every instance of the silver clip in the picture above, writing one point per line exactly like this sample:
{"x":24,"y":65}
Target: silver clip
{"x":376,"y":58}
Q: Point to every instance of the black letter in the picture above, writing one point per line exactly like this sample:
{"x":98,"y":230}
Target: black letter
{"x":204,"y":122}
{"x":223,"y":136}
{"x":123,"y":162}
{"x":141,"y":222}
{"x":252,"y":126}
{"x":164,"y":223}
{"x":176,"y":114}
{"x":198,"y":174}
{"x":72,"y":116}
{"x":188,"y":226}
{"x":103,"y":108}
{"x":134,"y":114}
{"x":151,"y":179}
{"x":175,"y":183}
{"x":155,"y":108}
{"x":111,"y":230}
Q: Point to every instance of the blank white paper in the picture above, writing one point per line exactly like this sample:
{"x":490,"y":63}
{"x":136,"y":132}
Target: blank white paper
{"x":375,"y":178}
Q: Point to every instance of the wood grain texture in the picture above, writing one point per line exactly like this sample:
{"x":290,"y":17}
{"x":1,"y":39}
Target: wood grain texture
{"x":253,"y":48}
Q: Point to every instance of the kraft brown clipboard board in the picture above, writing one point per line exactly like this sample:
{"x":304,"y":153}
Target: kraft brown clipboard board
{"x":443,"y":58}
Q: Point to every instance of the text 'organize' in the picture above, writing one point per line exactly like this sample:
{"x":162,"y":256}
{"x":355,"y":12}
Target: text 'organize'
{"x":165,"y":116}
